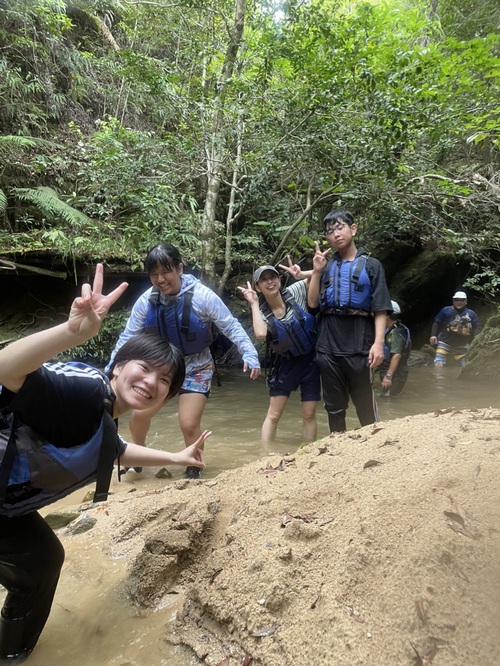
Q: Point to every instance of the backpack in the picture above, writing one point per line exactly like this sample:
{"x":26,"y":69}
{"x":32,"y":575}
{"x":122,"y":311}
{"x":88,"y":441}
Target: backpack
{"x":34,"y":472}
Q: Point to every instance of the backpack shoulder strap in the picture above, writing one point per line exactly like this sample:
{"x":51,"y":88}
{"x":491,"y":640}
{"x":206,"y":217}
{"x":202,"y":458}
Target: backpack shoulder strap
{"x":107,"y":453}
{"x":186,"y":314}
{"x":360,"y":264}
{"x":8,"y":459}
{"x":107,"y":456}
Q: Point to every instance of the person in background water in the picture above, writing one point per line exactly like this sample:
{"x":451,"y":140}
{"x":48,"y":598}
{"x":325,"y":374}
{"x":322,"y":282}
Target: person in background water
{"x":282,"y":318}
{"x":453,"y":329}
{"x":182,"y":309}
{"x":393,"y":370}
{"x":353,"y":299}
{"x":56,"y":420}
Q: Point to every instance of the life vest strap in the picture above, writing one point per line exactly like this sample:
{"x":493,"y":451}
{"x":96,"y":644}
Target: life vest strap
{"x":107,"y":457}
{"x":7,"y":461}
{"x":350,"y":312}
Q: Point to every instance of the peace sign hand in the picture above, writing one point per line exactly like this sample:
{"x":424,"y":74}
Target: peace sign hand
{"x":88,"y":310}
{"x":294,"y":269}
{"x":319,"y":259}
{"x":249,"y":294}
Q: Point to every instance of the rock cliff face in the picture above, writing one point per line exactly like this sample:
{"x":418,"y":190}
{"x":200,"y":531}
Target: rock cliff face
{"x":377,"y":546}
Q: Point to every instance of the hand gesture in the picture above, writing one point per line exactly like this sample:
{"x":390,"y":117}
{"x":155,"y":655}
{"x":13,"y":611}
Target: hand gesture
{"x":192,"y":456}
{"x":294,"y":269}
{"x":88,"y":310}
{"x":319,"y":259}
{"x":249,"y":294}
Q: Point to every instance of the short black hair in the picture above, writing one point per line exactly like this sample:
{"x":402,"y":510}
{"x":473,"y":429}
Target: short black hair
{"x":156,"y":351}
{"x":336,"y":216}
{"x":165,"y":255}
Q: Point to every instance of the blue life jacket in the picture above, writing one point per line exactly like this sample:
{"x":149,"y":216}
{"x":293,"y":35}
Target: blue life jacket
{"x":407,"y":348}
{"x":177,"y":323}
{"x":294,"y":337}
{"x":34,"y":472}
{"x":347,"y":288}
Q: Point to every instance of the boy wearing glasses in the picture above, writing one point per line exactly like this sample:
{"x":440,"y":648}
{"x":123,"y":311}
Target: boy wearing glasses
{"x":353,"y":299}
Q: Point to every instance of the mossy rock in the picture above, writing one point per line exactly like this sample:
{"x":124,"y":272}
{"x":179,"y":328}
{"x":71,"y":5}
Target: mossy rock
{"x":483,"y":358}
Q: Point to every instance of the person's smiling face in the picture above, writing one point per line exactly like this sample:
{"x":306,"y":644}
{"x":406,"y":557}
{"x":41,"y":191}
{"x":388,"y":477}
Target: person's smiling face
{"x":140,"y":385}
{"x":167,"y":281}
{"x":269,"y":283}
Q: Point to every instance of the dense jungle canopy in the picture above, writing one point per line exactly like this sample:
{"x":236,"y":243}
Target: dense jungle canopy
{"x":229,"y":127}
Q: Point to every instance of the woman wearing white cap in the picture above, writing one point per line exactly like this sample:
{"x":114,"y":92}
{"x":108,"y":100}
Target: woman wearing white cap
{"x":453,"y":329}
{"x":282,"y":317}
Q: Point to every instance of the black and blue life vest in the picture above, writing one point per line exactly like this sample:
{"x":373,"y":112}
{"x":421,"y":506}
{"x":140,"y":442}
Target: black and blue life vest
{"x":177,"y":322}
{"x":35,"y":473}
{"x":296,"y":336}
{"x":407,"y":348}
{"x":347,"y":287}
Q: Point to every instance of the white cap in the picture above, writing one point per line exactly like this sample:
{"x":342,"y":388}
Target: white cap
{"x":460,"y":294}
{"x":395,"y":308}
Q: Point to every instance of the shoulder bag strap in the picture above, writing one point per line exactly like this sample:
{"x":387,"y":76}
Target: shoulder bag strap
{"x":8,"y":460}
{"x":107,"y":458}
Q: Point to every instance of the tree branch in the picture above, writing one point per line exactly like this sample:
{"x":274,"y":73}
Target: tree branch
{"x":319,"y":199}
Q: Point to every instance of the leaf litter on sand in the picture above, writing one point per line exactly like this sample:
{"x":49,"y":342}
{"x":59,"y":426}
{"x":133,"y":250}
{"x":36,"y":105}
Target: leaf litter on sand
{"x":425,"y":659}
{"x":266,"y":631}
{"x":456,"y":522}
{"x":372,"y":463}
{"x":421,"y":608}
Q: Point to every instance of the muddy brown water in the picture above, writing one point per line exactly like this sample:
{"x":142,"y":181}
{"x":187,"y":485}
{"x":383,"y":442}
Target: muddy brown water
{"x":92,"y":623}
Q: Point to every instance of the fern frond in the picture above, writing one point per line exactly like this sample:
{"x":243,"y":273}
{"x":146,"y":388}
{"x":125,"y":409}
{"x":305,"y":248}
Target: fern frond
{"x":13,"y":142}
{"x":3,"y":201}
{"x":49,"y":203}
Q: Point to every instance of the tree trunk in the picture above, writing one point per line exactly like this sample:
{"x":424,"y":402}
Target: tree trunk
{"x":215,"y":145}
{"x":232,"y":214}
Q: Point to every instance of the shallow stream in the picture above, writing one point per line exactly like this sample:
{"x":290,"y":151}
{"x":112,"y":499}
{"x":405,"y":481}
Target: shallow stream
{"x":92,"y":623}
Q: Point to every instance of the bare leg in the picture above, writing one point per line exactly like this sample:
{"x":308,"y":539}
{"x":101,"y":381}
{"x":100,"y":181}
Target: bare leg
{"x":191,"y":407}
{"x":309,"y":425}
{"x":277,"y":404}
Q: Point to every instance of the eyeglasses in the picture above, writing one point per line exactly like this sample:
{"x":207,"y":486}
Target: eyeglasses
{"x":337,"y":227}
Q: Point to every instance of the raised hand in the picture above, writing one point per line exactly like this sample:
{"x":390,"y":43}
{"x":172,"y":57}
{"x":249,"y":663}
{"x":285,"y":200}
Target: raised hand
{"x":88,"y":310}
{"x":319,"y":259}
{"x":294,"y":269}
{"x":249,"y":294}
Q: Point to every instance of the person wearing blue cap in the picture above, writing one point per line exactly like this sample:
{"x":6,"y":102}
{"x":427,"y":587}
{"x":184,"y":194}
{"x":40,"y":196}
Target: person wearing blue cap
{"x":282,"y":317}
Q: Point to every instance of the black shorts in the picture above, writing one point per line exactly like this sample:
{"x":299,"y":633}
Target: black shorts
{"x":288,"y":374}
{"x":184,"y":391}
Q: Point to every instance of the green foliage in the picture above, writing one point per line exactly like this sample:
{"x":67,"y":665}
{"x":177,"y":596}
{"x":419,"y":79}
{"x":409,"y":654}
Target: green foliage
{"x":51,"y":206}
{"x":378,"y":107}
